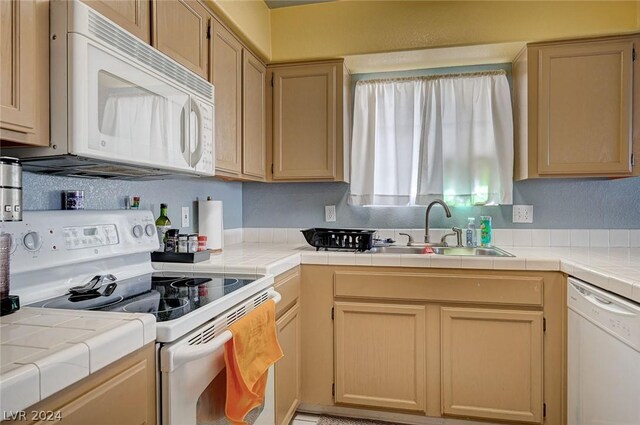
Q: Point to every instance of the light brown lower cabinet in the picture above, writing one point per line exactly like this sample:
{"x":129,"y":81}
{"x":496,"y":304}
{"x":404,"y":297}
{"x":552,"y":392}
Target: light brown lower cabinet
{"x":466,"y":344}
{"x":492,"y":363}
{"x":287,"y":369}
{"x":122,"y":393}
{"x":380,"y":355}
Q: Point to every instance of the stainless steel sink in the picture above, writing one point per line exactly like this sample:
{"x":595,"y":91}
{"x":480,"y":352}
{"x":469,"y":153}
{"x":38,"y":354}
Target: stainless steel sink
{"x":398,"y":250}
{"x":472,"y":251}
{"x":442,"y":250}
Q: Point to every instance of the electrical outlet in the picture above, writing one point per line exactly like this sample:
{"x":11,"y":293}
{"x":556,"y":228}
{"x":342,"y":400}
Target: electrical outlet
{"x":523,"y":213}
{"x":185,"y":216}
{"x":329,"y":213}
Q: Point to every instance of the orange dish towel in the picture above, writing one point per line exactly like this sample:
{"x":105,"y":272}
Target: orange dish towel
{"x":248,"y":355}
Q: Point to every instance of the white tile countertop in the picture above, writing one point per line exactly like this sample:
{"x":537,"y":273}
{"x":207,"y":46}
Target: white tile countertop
{"x":43,"y":351}
{"x":613,"y":269}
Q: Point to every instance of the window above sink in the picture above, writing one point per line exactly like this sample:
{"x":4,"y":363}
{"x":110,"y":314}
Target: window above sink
{"x":420,"y":138}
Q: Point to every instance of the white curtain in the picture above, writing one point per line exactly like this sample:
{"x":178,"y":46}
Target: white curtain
{"x":415,"y":140}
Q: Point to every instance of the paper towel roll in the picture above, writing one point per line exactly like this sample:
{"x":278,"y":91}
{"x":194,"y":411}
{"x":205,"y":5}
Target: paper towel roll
{"x":210,"y":223}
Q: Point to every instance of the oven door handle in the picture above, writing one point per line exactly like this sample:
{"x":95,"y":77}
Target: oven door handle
{"x":189,"y":353}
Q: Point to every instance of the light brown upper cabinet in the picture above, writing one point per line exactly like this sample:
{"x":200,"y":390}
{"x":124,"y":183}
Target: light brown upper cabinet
{"x":309,"y":132}
{"x":380,"y":355}
{"x":492,"y":364}
{"x":254,"y":124}
{"x":24,"y":72}
{"x":180,"y":30}
{"x":576,"y":108}
{"x":132,"y":15}
{"x":226,"y":76}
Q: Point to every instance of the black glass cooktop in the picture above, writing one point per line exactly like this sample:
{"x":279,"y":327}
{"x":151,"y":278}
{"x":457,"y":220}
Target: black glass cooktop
{"x":166,"y":295}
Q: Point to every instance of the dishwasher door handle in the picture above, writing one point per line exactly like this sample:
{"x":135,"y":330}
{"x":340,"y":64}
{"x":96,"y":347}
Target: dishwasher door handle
{"x":602,"y":303}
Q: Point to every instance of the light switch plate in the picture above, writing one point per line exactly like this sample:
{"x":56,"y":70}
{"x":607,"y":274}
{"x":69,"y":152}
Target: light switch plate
{"x":523,"y":213}
{"x":185,"y":216}
{"x":329,"y":213}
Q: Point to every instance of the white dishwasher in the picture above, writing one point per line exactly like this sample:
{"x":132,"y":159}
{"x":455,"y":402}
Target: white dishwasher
{"x":603,"y":358}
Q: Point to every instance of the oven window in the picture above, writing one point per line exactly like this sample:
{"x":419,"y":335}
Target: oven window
{"x":210,"y":406}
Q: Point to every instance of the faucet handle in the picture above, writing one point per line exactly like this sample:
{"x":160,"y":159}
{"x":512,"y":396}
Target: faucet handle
{"x":443,"y":239}
{"x":458,"y":232}
{"x":410,"y":241}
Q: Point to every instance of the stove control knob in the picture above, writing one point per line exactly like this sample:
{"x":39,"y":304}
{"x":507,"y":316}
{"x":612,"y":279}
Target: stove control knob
{"x":32,"y":241}
{"x":137,"y":231}
{"x":12,"y":244}
{"x":150,"y":229}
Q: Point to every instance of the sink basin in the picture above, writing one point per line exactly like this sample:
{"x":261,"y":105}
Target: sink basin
{"x":398,"y":250}
{"x":443,"y":250}
{"x":472,"y":251}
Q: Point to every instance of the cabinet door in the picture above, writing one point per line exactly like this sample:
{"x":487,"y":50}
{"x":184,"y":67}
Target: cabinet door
{"x":585,"y":108}
{"x":492,"y":364}
{"x":380,"y":355}
{"x":180,"y":31}
{"x":226,"y":76}
{"x":17,"y":67}
{"x":287,"y":370}
{"x":254,"y":118}
{"x":305,"y":108}
{"x":132,"y":15}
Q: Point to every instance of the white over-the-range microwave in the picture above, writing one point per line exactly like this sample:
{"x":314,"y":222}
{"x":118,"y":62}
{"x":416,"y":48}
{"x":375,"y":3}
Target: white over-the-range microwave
{"x":120,"y":108}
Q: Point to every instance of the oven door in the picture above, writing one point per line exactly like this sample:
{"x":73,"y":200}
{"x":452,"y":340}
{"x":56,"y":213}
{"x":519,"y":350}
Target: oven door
{"x":119,"y":111}
{"x":193,"y":377}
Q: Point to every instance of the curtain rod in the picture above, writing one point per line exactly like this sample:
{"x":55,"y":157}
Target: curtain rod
{"x":434,"y":77}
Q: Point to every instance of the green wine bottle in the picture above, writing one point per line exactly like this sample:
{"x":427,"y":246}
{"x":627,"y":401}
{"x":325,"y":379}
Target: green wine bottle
{"x":162,"y":225}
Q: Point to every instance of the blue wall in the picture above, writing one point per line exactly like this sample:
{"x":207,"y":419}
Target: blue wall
{"x":42,"y":192}
{"x":560,"y":204}
{"x":566,"y":203}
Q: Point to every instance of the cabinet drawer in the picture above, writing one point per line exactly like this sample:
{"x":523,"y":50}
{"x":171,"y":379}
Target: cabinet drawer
{"x":287,"y":285}
{"x":484,"y":289}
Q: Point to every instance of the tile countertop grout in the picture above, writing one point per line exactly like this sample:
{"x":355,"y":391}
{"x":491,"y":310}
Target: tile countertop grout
{"x":613,"y":269}
{"x":44,"y":351}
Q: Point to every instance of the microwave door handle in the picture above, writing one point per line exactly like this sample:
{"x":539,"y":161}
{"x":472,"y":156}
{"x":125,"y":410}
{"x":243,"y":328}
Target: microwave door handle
{"x":184,"y":134}
{"x":196,"y":153}
{"x":189,"y":353}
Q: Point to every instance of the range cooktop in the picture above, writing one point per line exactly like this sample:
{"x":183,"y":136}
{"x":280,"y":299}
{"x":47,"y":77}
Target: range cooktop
{"x":166,"y":295}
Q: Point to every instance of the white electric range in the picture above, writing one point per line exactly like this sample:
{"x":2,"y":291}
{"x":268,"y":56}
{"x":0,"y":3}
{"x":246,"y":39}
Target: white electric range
{"x":100,"y":260}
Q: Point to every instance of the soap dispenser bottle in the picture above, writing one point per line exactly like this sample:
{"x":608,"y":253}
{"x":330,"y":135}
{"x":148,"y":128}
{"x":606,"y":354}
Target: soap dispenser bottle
{"x":471,"y":232}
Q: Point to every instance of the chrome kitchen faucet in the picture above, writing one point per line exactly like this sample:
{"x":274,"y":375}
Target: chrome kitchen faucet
{"x":426,"y":216}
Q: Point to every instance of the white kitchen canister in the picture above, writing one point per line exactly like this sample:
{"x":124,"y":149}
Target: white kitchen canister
{"x":210,"y":223}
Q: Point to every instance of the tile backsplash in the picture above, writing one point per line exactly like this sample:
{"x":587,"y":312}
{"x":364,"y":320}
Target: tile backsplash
{"x":576,"y":238}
